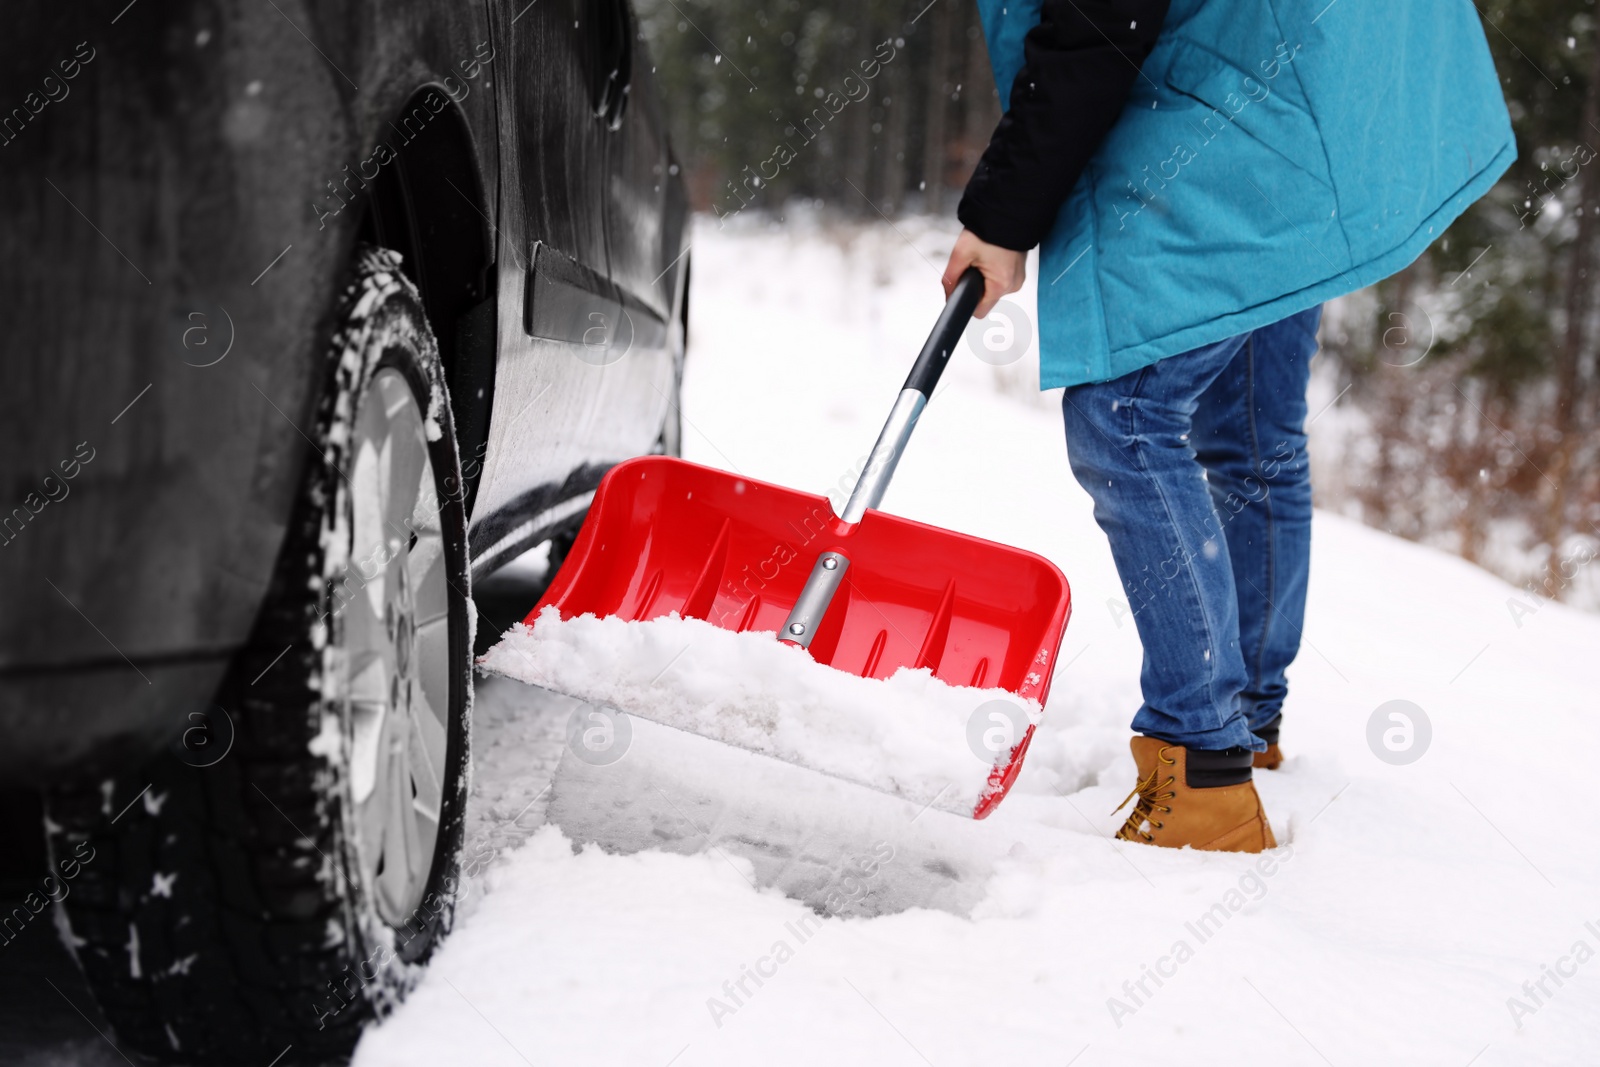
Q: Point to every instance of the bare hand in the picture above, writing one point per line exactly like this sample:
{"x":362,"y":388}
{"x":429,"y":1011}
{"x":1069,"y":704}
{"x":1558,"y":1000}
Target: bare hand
{"x":1003,"y":269}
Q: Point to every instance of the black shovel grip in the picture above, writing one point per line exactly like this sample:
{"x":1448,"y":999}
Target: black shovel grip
{"x":946,"y":332}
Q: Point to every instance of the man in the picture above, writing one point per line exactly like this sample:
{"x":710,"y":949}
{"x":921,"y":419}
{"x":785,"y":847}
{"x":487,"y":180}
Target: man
{"x":1201,"y":175}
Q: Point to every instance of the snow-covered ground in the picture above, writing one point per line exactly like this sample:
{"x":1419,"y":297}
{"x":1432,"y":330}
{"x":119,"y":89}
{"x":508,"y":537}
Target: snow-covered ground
{"x":1441,"y":911}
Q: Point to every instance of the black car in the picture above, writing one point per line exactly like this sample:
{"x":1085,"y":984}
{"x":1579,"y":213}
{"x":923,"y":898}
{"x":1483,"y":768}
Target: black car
{"x":313,"y":315}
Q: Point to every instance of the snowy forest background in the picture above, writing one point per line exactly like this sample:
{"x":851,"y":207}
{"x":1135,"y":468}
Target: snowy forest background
{"x":1466,"y":408}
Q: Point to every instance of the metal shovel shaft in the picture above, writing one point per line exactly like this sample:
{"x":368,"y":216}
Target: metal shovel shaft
{"x":827,"y":574}
{"x":914,"y":396}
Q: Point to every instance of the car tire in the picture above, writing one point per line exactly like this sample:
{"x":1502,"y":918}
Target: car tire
{"x":274,"y":881}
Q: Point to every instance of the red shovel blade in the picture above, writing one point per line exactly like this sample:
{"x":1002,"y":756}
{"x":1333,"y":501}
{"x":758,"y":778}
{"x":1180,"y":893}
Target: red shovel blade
{"x":664,"y":535}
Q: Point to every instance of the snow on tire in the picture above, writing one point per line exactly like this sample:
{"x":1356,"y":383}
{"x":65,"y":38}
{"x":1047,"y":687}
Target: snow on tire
{"x":268,"y":902}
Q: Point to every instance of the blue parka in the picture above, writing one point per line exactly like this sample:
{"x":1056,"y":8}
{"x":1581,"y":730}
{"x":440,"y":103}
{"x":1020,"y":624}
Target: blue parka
{"x":1275,"y":154}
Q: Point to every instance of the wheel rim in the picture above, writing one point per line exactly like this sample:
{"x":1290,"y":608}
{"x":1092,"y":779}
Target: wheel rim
{"x":396,"y":637}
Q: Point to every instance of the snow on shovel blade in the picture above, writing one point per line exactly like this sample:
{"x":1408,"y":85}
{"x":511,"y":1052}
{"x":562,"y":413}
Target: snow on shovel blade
{"x":923,"y":675}
{"x":909,"y":735}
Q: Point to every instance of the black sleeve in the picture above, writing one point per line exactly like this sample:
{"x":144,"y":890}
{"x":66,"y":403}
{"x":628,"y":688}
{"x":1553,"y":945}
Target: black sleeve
{"x":1079,"y":64}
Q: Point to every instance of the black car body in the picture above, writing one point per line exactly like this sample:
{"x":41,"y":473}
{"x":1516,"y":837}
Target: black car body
{"x":182,"y":185}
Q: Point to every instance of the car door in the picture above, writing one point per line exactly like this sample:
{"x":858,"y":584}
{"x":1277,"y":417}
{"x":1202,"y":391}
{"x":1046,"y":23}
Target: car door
{"x":546,"y":445}
{"x":645,"y":212}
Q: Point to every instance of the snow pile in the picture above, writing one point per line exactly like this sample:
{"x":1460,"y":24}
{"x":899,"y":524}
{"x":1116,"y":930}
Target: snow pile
{"x":906,"y":735}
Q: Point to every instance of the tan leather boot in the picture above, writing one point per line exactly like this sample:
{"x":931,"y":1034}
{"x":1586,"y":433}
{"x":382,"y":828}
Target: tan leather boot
{"x":1178,"y":805}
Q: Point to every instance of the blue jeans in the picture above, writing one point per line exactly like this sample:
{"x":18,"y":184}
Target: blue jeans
{"x":1197,"y":466}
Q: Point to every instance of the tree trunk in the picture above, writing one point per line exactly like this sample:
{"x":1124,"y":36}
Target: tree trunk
{"x":981,"y":100}
{"x":1569,"y":379}
{"x":857,"y":141}
{"x":892,"y":140}
{"x":938,"y":105}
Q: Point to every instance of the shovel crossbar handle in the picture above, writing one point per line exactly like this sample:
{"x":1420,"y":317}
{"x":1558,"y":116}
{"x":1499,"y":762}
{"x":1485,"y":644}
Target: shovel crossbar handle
{"x":827,"y":574}
{"x":920,"y":383}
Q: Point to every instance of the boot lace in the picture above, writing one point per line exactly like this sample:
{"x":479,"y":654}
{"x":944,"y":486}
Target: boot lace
{"x":1150,"y":797}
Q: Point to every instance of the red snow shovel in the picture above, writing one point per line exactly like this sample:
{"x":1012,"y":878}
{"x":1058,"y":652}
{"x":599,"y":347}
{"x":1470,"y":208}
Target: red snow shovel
{"x":864,"y":592}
